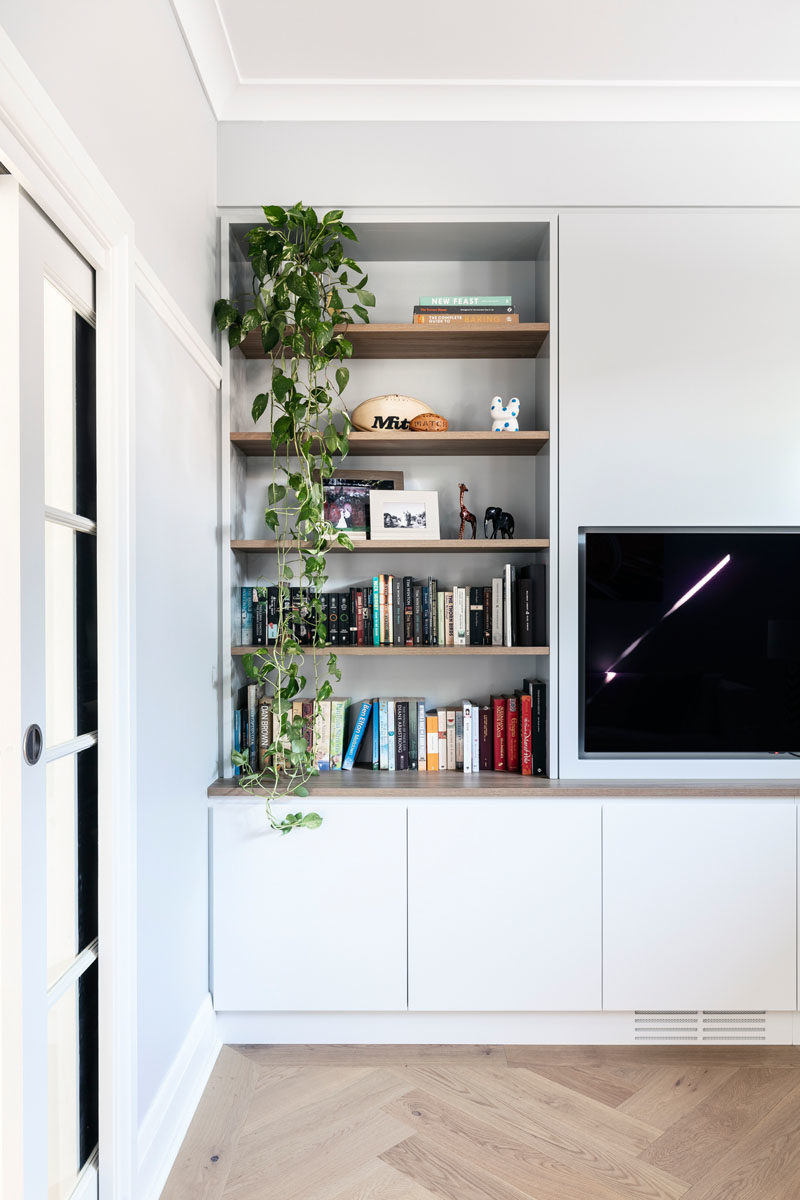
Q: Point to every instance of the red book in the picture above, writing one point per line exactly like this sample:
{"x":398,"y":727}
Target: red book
{"x":525,"y":733}
{"x":512,"y":733}
{"x":485,"y":740}
{"x":499,"y":732}
{"x":359,"y":617}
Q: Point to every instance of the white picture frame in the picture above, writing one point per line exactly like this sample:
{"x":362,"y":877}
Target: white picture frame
{"x":404,"y":516}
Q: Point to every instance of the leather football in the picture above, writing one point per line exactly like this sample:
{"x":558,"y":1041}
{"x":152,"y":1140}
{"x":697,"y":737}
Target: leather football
{"x":428,"y":423}
{"x":389,"y":413}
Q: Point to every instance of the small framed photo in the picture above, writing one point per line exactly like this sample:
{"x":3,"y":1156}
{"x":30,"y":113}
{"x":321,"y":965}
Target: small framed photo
{"x":401,"y":516}
{"x":373,"y":480}
{"x":347,"y":507}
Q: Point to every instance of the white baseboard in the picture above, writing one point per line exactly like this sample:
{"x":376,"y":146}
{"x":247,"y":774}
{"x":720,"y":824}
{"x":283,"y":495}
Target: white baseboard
{"x":167,"y":1120}
{"x":405,"y":1028}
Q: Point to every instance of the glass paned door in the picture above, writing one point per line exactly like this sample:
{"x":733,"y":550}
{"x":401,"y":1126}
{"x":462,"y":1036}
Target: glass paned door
{"x":59,"y":696}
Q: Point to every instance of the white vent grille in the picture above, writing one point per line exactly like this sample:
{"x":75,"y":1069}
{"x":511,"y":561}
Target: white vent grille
{"x":693,"y":1025}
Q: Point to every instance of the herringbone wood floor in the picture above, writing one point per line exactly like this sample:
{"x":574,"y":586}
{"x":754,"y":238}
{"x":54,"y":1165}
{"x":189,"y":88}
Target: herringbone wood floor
{"x":495,"y":1123}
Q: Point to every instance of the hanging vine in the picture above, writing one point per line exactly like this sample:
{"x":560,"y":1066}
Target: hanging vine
{"x":306,"y":290}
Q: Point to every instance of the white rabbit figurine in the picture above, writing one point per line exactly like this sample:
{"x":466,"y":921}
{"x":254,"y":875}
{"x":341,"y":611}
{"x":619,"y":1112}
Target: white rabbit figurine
{"x":504,"y":417}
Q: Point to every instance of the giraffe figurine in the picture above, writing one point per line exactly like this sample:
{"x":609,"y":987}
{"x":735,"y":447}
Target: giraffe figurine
{"x":466,"y":515}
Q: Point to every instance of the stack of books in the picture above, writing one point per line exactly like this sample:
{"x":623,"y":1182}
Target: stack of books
{"x":451,"y":312}
{"x":391,"y":610}
{"x":398,"y":733}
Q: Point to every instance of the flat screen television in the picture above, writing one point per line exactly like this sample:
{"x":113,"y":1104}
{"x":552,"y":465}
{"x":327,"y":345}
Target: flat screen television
{"x":690,"y":642}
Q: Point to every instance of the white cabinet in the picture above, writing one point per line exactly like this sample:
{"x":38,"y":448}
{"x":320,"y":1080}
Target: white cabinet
{"x":699,"y":905}
{"x":315,"y":920}
{"x":504,"y":906}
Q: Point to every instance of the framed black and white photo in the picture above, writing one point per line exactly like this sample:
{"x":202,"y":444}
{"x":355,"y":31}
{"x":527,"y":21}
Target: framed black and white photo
{"x":404,"y":516}
{"x":347,"y":507}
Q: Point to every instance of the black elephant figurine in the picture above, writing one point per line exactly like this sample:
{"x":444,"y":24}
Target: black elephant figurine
{"x":505,"y":523}
{"x":491,"y":515}
{"x":500,"y":521}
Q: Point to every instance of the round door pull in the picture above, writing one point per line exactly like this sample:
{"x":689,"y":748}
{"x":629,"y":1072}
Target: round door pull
{"x":32,"y":745}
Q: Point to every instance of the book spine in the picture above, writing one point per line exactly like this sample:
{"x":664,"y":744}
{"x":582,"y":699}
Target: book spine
{"x":476,"y":616}
{"x":524,"y":612}
{"x":237,"y":736}
{"x":512,"y":734}
{"x":308,"y":723}
{"x":358,"y":732}
{"x":440,"y":619}
{"x":538,"y":691}
{"x":273,"y":614}
{"x":322,"y":735}
{"x":508,"y":622}
{"x":259,"y":616}
{"x":324,"y":628}
{"x":538,"y":576}
{"x":417,"y":602}
{"x":344,"y":618}
{"x":499,"y":732}
{"x":465,"y":301}
{"x":376,"y":615}
{"x":433,"y":604}
{"x":460,"y":615}
{"x":252,"y":724}
{"x":388,"y":611}
{"x":247,"y":616}
{"x":485,"y":738}
{"x":466,"y":717}
{"x":449,"y":620}
{"x":455,"y":309}
{"x":441,"y":718}
{"x":459,"y":717}
{"x":487,"y":616}
{"x":431,"y":742}
{"x":476,"y":738}
{"x":383,"y":725}
{"x":401,"y":736}
{"x":398,"y":612}
{"x":337,"y":733}
{"x":525,"y":734}
{"x":391,"y":730}
{"x":422,"y":737}
{"x":426,"y":616}
{"x":450,"y":742}
{"x":413,"y":734}
{"x":376,"y":736}
{"x":353,"y":612}
{"x":333,"y":618}
{"x":264,"y":732}
{"x":497,"y":612}
{"x":408,"y":610}
{"x":359,"y":617}
{"x":466,"y":319}
{"x":294,"y":609}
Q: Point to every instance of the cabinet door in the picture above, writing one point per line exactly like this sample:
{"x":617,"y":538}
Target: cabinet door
{"x":504,"y":906}
{"x":315,"y":920}
{"x":699,"y":905}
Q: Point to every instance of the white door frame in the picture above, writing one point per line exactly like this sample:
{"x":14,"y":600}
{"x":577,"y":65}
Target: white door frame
{"x":47,"y":160}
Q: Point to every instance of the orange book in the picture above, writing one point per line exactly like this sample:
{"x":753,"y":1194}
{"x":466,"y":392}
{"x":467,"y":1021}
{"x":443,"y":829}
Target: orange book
{"x":432,"y":741}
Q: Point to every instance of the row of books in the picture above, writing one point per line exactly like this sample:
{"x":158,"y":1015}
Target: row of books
{"x":399,"y":734}
{"x":402,"y":611}
{"x":460,"y":311}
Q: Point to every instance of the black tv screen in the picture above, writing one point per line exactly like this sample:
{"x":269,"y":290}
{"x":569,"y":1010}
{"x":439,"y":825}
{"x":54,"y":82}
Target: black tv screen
{"x":691,"y":642}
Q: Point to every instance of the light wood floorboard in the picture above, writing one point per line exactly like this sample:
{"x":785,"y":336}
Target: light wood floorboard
{"x":495,"y":1123}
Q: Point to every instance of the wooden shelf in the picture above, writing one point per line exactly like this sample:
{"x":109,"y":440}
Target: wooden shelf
{"x":430,"y":341}
{"x":429,"y":651}
{"x":374,"y":546}
{"x":387,"y":784}
{"x":406,"y":443}
{"x":362,"y":782}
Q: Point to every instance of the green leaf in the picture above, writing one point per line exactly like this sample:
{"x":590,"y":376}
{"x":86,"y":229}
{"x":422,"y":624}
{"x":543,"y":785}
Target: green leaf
{"x":342,"y":378}
{"x":248,"y":662}
{"x":335,"y":214}
{"x":311,"y":820}
{"x":235,"y":335}
{"x":345,"y":541}
{"x":275,"y":215}
{"x":271,"y":519}
{"x":269,"y":338}
{"x":275,"y":493}
{"x":366,"y":297}
{"x":348,"y":233}
{"x":361,"y":312}
{"x":281,"y":384}
{"x":259,"y":405}
{"x":251,"y":320}
{"x":225,"y":314}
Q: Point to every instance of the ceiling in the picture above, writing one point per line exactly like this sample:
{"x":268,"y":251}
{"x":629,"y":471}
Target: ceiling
{"x":514,"y":60}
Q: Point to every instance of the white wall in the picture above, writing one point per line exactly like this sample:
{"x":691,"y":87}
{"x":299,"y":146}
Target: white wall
{"x":122,"y":78}
{"x":490,"y":163}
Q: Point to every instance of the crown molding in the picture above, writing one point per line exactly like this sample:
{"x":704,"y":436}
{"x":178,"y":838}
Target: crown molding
{"x":210,"y":50}
{"x":495,"y":100}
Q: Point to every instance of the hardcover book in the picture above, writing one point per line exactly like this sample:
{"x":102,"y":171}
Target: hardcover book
{"x":322,"y":735}
{"x":432,"y":741}
{"x":358,"y":719}
{"x":247,"y":616}
{"x":401,"y":735}
{"x":264,"y":732}
{"x":338,"y":717}
{"x":465,"y":301}
{"x":391,"y":729}
{"x":499,"y":732}
{"x":525,"y":734}
{"x":485,"y":738}
{"x":497,"y":612}
{"x":538,"y":693}
{"x":512,"y":733}
{"x":454,"y":320}
{"x":476,"y":616}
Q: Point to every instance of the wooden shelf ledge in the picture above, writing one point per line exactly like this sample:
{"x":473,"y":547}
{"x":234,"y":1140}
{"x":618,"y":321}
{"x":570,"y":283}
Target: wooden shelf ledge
{"x":375,"y":546}
{"x":461,"y":442}
{"x":431,"y":341}
{"x":429,"y":651}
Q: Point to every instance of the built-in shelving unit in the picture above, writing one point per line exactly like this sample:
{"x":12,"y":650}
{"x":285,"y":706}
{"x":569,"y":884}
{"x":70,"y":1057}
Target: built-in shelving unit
{"x":457,"y":442}
{"x":456,"y":371}
{"x":426,"y":341}
{"x":406,"y":546}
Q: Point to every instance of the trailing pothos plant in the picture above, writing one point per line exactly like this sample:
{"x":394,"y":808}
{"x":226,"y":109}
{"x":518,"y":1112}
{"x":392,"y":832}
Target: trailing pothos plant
{"x":306,"y":290}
